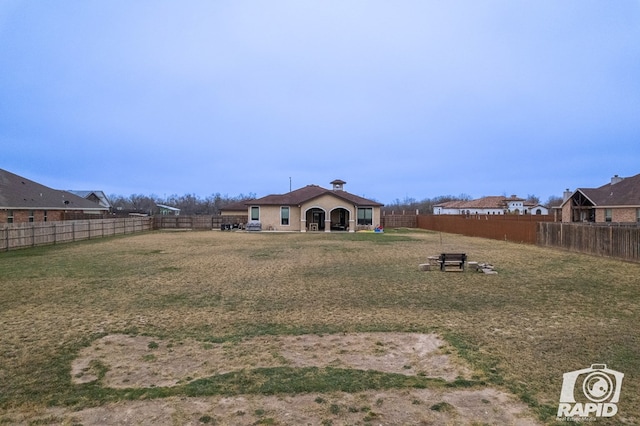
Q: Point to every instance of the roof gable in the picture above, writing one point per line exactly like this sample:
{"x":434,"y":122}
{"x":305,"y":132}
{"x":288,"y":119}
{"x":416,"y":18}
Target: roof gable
{"x":626,"y":192}
{"x":96,"y":196}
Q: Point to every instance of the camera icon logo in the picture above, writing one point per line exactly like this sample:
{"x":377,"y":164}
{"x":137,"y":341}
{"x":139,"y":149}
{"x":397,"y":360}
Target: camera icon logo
{"x":590,"y":391}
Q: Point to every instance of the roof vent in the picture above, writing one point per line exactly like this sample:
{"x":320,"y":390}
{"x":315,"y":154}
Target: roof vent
{"x":615,"y":179}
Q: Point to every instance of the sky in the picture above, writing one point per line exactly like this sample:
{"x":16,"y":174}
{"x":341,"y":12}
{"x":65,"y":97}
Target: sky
{"x":400,"y":99}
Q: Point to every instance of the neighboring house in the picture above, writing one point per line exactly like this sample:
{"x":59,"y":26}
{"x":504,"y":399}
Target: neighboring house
{"x":535,"y":209}
{"x":23,"y":200}
{"x":313,"y":208}
{"x":492,"y":205}
{"x":618,"y":201}
{"x":97,"y":197}
{"x":168,"y":210}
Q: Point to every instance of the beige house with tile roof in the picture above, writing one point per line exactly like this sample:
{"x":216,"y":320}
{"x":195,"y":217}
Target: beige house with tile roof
{"x":313,"y":208}
{"x":491,"y":205}
{"x":618,"y":201}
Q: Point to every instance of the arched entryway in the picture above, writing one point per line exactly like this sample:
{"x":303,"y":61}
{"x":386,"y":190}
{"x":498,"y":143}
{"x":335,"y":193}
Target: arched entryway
{"x":315,"y":217}
{"x":339,"y":219}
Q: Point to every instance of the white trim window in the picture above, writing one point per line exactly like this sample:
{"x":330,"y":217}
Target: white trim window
{"x":365,"y":216}
{"x":255,"y":213}
{"x":284,"y":215}
{"x":608,"y":214}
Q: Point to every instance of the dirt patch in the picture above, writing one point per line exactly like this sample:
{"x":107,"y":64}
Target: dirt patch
{"x":394,"y":407}
{"x":140,"y":361}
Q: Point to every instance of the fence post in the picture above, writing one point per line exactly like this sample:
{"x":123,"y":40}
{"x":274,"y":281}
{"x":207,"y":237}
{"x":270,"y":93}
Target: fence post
{"x":610,"y":241}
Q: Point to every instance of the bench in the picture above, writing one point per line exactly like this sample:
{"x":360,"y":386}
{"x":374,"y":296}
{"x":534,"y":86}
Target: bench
{"x":452,"y":259}
{"x":253,"y":226}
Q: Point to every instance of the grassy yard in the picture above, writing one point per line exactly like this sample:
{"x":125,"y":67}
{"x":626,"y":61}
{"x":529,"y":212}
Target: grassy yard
{"x":545,"y":313}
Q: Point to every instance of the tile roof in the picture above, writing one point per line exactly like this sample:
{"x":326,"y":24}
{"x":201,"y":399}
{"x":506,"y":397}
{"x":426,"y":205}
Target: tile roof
{"x":19,"y":193}
{"x":626,"y":192}
{"x":490,"y":202}
{"x":308,"y":193}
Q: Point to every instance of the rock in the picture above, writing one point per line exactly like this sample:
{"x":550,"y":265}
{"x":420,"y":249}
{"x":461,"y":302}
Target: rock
{"x":424,"y":267}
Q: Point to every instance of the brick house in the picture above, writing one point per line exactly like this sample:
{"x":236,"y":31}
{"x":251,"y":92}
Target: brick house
{"x":312,"y":208}
{"x":617,"y":201}
{"x":23,"y":200}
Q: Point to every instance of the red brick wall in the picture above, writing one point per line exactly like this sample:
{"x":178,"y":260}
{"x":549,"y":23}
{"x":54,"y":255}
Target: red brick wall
{"x":627,"y":214}
{"x":22,"y":216}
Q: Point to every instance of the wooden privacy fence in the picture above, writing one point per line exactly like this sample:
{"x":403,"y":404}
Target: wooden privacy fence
{"x":399,"y":221}
{"x":516,"y":228}
{"x":196,"y":222}
{"x":31,"y":234}
{"x":620,"y":242}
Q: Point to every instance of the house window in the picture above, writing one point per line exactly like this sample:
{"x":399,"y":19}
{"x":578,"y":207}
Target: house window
{"x":637,"y":215}
{"x":607,"y":215}
{"x":284,"y":215}
{"x":10,"y":216}
{"x":255,"y":213}
{"x":365,"y":216}
{"x":31,"y":215}
{"x":45,"y":215}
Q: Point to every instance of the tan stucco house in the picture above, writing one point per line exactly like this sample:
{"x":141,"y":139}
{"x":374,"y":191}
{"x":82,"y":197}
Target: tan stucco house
{"x":618,"y":201}
{"x":313,"y":208}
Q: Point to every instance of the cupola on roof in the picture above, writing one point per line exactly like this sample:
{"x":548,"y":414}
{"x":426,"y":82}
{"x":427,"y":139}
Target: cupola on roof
{"x":338,"y":184}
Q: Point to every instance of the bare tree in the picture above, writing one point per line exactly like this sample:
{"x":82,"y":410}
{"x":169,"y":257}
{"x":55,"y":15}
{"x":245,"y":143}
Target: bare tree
{"x":554,"y":201}
{"x":532,"y":199}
